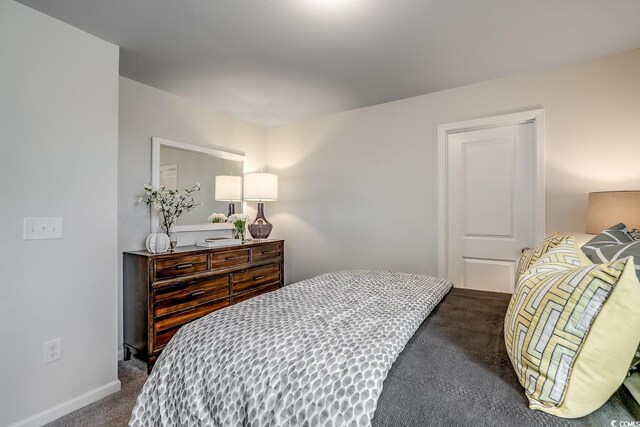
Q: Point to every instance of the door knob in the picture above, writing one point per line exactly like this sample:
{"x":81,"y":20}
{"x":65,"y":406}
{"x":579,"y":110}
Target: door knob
{"x":525,"y":249}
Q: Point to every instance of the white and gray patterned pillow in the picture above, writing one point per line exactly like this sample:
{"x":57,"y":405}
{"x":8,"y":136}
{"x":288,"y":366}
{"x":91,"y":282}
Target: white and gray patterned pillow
{"x":615,"y":252}
{"x":614,"y":235}
{"x":635,"y":234}
{"x":610,"y":245}
{"x":635,"y":364}
{"x":616,"y":242}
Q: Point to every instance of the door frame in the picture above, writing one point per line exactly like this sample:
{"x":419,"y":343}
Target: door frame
{"x":536,"y":117}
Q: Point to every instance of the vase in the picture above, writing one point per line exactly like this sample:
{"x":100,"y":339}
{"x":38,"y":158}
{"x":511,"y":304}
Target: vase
{"x":157,"y":243}
{"x":173,"y":236}
{"x":239,"y":233}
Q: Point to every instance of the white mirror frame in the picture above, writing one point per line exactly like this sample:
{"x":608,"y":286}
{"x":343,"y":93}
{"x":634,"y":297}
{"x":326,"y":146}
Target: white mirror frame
{"x":156,"y":144}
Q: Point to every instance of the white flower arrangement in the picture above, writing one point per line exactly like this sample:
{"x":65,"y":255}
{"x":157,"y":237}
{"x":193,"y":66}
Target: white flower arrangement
{"x":240,"y":222}
{"x":238,"y":217}
{"x":217,"y":218}
{"x":170,"y":203}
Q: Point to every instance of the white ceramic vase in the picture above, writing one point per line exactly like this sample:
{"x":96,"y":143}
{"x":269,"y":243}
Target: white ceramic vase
{"x":158,"y":243}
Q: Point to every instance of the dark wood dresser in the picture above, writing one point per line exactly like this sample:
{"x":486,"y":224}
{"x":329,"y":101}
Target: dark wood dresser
{"x":163,"y":292}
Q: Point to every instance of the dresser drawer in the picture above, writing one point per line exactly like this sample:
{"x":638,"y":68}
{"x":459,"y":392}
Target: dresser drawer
{"x":255,"y":277}
{"x":176,"y":298}
{"x":229,"y":258}
{"x":266,"y":252}
{"x":253,"y":292}
{"x":181,"y":266}
{"x":166,"y":327}
{"x":163,"y":292}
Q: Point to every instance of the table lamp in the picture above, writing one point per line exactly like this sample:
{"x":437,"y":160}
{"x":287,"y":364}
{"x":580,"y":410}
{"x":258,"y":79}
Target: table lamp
{"x":607,"y":208}
{"x":229,"y":189}
{"x":260,"y":187}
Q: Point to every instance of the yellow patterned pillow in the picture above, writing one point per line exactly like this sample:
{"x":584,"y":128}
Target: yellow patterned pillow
{"x":565,"y":255}
{"x":563,"y":334}
{"x":532,"y":255}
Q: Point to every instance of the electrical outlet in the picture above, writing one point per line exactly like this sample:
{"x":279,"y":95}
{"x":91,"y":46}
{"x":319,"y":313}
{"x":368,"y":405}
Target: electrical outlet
{"x":53,"y":350}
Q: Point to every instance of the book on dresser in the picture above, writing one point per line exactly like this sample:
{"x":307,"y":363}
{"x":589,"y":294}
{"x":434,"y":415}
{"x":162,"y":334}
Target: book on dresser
{"x":163,"y":292}
{"x":218,"y":242}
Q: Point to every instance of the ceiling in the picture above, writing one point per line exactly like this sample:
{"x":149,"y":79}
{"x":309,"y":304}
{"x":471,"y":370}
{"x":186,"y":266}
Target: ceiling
{"x":273,"y":62}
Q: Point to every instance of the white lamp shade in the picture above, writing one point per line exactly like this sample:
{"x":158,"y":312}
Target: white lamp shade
{"x":260,"y":186}
{"x":228,"y":188}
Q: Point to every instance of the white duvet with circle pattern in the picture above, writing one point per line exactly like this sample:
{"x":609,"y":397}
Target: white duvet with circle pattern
{"x":314,"y":353}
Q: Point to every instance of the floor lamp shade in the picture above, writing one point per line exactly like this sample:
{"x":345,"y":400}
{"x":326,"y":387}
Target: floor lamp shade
{"x":260,"y":187}
{"x":607,"y":208}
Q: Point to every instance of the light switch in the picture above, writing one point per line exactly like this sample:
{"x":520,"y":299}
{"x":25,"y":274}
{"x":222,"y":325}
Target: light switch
{"x":42,"y":228}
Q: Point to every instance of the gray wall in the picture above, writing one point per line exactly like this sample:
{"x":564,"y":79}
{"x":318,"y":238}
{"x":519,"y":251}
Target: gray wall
{"x":59,"y":121}
{"x":146,"y":112}
{"x":359,"y":189}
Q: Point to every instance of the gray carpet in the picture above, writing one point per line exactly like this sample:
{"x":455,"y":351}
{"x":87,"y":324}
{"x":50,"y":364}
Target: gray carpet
{"x":114,"y":410}
{"x":454,"y":371}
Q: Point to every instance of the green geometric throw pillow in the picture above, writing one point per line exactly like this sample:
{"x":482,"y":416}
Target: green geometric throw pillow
{"x":560,"y":328}
{"x":532,"y":255}
{"x":564,"y":256}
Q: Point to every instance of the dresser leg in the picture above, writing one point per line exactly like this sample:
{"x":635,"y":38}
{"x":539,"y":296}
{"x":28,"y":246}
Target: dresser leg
{"x":151,"y":360}
{"x":126,"y":352}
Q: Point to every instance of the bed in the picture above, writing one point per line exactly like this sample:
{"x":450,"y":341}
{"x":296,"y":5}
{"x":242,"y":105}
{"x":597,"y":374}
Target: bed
{"x":450,"y":369}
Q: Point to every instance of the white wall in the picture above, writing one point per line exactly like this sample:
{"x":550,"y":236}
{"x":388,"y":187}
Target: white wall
{"x":59,"y":122}
{"x":146,"y":112}
{"x":358,"y":189}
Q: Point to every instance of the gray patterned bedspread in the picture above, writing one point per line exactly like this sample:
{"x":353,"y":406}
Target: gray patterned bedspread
{"x":312,"y":353}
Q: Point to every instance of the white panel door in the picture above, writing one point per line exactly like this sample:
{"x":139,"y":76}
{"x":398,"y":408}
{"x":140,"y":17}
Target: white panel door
{"x":490,"y":186}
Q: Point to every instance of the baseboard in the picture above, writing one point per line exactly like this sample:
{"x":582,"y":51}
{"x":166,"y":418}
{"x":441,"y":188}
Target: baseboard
{"x":70,"y":405}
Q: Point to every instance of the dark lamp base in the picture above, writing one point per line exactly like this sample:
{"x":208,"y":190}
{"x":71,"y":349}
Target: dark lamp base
{"x":260,"y":228}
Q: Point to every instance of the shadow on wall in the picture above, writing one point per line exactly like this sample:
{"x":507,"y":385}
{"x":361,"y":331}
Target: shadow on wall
{"x":292,"y":216}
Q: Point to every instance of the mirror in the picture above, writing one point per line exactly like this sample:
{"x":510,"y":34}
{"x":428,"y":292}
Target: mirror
{"x":176,"y":165}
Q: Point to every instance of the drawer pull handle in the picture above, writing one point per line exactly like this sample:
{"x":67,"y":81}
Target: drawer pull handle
{"x":270,"y":252}
{"x":231,"y":258}
{"x":183,"y":266}
{"x":197,"y":293}
{"x":258,"y":277}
